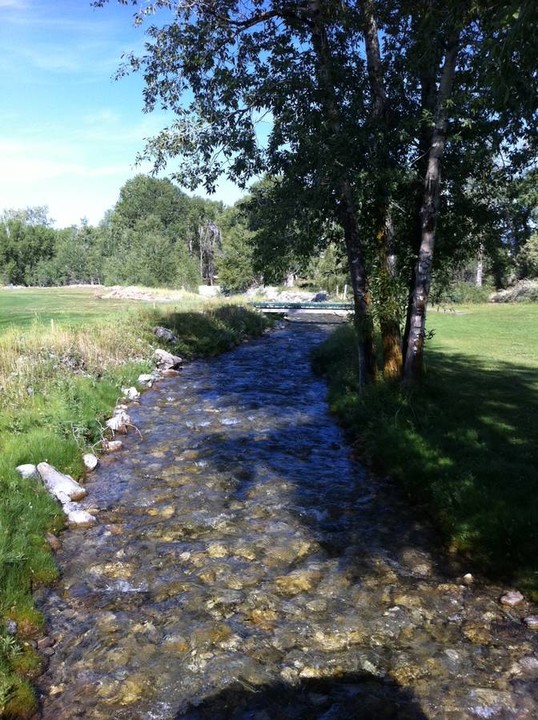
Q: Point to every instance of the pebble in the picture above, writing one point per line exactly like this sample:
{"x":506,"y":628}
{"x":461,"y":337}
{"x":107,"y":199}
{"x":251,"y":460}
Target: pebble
{"x":512,"y":598}
{"x":531,"y":622}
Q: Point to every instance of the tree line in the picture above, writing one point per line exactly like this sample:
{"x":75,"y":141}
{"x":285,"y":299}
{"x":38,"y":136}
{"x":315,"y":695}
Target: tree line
{"x":155,"y":235}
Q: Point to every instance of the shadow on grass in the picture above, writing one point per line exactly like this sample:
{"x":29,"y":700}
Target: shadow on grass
{"x":465,"y":446}
{"x":202,"y":334}
{"x":362,"y":697}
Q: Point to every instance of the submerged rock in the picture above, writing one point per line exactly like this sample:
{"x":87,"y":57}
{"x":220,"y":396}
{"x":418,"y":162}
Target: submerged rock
{"x":512,"y":598}
{"x":531,"y":622}
{"x":111,"y":445}
{"x":80,"y":518}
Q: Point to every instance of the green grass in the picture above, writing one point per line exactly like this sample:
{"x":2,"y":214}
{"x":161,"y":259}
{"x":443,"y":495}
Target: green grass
{"x":20,"y":307}
{"x":58,"y":383}
{"x":465,"y":445}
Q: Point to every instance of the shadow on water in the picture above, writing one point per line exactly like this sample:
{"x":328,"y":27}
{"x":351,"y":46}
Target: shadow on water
{"x":296,"y":445}
{"x":360,"y":696}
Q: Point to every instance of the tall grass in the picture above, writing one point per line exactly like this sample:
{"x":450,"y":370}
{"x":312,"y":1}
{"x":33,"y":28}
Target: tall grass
{"x":57,"y":385}
{"x":464,"y":446}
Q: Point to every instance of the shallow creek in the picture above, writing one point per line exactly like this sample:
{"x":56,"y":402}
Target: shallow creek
{"x":245,"y":566}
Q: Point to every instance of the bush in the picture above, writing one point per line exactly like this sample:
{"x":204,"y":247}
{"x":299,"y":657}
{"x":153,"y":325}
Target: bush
{"x":523,"y":291}
{"x":461,"y":293}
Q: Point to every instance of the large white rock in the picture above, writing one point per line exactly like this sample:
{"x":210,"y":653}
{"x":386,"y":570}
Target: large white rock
{"x":165,"y":360}
{"x":27,"y":470}
{"x":60,"y":485}
{"x":90,"y":461}
{"x":131,"y":393}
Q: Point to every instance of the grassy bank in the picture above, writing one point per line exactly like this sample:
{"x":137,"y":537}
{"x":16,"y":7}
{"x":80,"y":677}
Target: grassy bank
{"x":58,"y":382}
{"x":465,"y":446}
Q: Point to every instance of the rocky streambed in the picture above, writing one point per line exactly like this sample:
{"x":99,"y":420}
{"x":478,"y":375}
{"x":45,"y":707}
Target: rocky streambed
{"x":244,"y":566}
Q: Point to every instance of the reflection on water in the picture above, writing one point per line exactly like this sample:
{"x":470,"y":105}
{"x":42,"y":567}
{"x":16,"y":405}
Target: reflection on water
{"x":245,"y":567}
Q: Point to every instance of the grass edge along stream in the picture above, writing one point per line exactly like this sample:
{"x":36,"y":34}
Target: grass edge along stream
{"x":463,"y":446}
{"x":59,"y":379}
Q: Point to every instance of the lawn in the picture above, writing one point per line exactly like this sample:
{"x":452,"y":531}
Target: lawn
{"x":465,"y":446}
{"x":22,"y":306}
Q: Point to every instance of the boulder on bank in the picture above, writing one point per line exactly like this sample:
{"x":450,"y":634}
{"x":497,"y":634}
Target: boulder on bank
{"x":164,"y":334}
{"x":90,"y":461}
{"x":166,"y":361}
{"x":147,"y":380}
{"x":60,"y":485}
{"x":119,"y":422}
{"x":27,"y":471}
{"x":130,"y":393}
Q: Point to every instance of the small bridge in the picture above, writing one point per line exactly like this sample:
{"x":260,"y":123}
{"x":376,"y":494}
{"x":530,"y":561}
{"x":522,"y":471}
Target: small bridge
{"x":332,"y":311}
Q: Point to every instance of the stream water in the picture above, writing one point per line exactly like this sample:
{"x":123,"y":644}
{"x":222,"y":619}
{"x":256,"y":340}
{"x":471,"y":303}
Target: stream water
{"x":245,"y":566}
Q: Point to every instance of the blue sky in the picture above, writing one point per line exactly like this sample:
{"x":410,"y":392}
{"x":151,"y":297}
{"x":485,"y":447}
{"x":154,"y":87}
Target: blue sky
{"x":69,"y":133}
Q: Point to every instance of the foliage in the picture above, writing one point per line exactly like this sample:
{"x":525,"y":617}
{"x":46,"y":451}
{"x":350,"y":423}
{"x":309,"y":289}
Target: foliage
{"x":235,"y":266}
{"x":527,"y":259}
{"x":474,"y":430}
{"x":328,"y":271}
{"x":460,"y":292}
{"x":152,"y":237}
{"x":26,"y":239}
{"x":363,"y":101}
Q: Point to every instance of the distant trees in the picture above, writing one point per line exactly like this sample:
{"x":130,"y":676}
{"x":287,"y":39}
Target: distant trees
{"x":155,"y":235}
{"x":26,"y":240}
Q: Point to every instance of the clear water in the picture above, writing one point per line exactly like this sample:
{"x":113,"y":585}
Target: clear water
{"x":245,"y":566}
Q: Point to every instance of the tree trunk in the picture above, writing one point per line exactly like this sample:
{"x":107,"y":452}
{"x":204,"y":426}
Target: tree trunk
{"x":388,"y":321}
{"x":346,"y":203}
{"x":391,"y":333}
{"x":428,"y":93}
{"x":361,"y":299}
{"x":479,"y":277}
{"x":414,"y":357}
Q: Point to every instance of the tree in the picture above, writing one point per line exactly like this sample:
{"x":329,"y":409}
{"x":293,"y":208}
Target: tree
{"x":26,"y":239}
{"x":367,"y":100}
{"x":235,"y":265}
